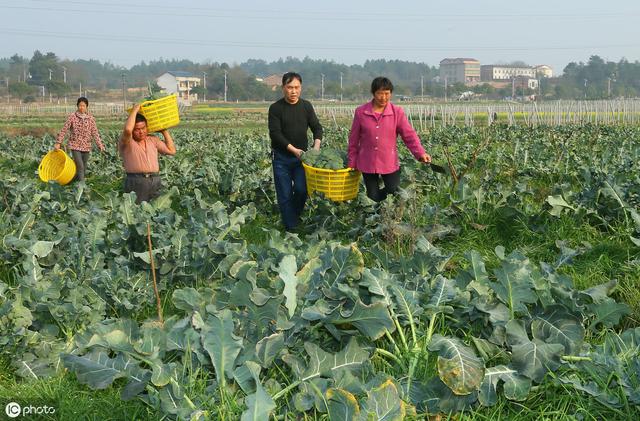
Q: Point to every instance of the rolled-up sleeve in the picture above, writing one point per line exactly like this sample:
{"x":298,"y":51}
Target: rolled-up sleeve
{"x":408,"y":134}
{"x":314,"y":123}
{"x":161,"y":146}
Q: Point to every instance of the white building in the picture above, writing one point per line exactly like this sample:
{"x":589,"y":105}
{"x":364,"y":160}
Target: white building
{"x":180,"y":83}
{"x":491,"y":72}
{"x":543,"y":70}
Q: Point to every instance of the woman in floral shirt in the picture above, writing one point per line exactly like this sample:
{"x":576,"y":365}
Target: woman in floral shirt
{"x":83,"y":129}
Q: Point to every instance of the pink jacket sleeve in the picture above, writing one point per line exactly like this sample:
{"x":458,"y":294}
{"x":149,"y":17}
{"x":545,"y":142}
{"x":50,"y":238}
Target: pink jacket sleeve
{"x":354,"y":141}
{"x":409,"y":135}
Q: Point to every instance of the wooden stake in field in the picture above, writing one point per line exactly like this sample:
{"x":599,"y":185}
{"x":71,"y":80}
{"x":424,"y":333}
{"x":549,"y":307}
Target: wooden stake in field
{"x":153,"y":275}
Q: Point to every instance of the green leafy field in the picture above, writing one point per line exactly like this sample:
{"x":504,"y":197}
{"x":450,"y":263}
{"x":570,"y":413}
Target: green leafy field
{"x":507,"y":288}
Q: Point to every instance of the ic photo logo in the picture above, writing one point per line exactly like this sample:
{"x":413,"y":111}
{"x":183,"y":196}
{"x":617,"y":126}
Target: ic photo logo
{"x":13,"y":410}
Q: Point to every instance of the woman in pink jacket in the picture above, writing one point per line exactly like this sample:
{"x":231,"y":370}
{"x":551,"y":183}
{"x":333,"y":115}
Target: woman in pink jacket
{"x":82,"y":128}
{"x":373,"y":148}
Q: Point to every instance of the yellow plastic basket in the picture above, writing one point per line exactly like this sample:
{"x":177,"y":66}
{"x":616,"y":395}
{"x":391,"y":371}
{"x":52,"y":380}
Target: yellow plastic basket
{"x":57,"y":166}
{"x":161,"y":113}
{"x":337,"y":185}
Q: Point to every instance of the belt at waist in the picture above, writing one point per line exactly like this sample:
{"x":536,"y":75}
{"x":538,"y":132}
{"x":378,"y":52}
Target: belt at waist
{"x":143,"y":174}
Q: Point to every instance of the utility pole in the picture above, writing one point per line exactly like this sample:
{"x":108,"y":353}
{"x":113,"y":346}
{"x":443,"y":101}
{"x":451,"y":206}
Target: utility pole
{"x":609,"y":80}
{"x":422,"y":88}
{"x":64,"y":79}
{"x":340,"y":86}
{"x":445,"y":88}
{"x":124,"y":92}
{"x":204,"y":85}
{"x":322,"y":86}
{"x":585,"y":88}
{"x":80,"y":89}
{"x":513,"y":88}
{"x":225,"y":86}
{"x":50,"y":72}
{"x":539,"y":88}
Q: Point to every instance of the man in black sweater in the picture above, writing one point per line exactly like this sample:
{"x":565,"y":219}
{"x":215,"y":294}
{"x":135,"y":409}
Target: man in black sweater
{"x":289,"y":120}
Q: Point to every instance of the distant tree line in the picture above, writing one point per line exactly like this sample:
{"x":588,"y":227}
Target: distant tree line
{"x":27,"y":79}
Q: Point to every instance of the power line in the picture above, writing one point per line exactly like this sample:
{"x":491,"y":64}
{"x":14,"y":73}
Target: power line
{"x":332,"y":13}
{"x":149,"y":10}
{"x":306,"y":46}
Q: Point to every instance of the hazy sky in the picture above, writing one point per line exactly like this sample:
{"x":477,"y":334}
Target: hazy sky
{"x":345,"y":31}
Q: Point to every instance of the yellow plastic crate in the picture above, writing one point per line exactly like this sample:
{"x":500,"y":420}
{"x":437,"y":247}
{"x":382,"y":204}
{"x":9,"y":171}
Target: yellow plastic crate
{"x":336,"y":185}
{"x":57,"y":166}
{"x":161,"y":113}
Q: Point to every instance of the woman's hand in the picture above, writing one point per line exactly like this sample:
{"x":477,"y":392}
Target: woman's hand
{"x":426,"y":158}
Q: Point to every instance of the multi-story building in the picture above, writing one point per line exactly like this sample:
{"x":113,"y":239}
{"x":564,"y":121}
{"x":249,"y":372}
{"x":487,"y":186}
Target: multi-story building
{"x":492,"y":72}
{"x":180,"y":83}
{"x":460,"y":70}
{"x":542,"y":70}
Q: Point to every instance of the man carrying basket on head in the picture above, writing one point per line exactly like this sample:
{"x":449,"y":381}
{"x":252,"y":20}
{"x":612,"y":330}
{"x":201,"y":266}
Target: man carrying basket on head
{"x":289,"y":119}
{"x":139,"y":153}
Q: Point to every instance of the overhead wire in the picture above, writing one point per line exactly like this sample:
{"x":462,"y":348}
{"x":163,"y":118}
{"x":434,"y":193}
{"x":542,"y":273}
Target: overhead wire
{"x":280,"y":45}
{"x":317,"y":15}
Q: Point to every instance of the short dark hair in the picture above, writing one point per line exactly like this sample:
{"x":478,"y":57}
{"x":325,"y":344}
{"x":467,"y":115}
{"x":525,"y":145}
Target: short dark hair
{"x":82,"y":99}
{"x":140,"y":117}
{"x":289,"y":76}
{"x":381,"y":83}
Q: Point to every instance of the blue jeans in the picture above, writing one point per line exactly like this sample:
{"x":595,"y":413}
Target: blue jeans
{"x":291,"y":187}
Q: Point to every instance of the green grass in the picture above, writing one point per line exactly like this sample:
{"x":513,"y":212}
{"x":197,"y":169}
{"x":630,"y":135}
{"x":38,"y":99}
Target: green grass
{"x":553,"y":403}
{"x":71,"y":400}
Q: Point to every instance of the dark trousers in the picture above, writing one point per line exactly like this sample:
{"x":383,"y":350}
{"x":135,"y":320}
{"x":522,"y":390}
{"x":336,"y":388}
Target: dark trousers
{"x":372,"y":183}
{"x":81,"y":159}
{"x":146,"y":188}
{"x":291,"y":187}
